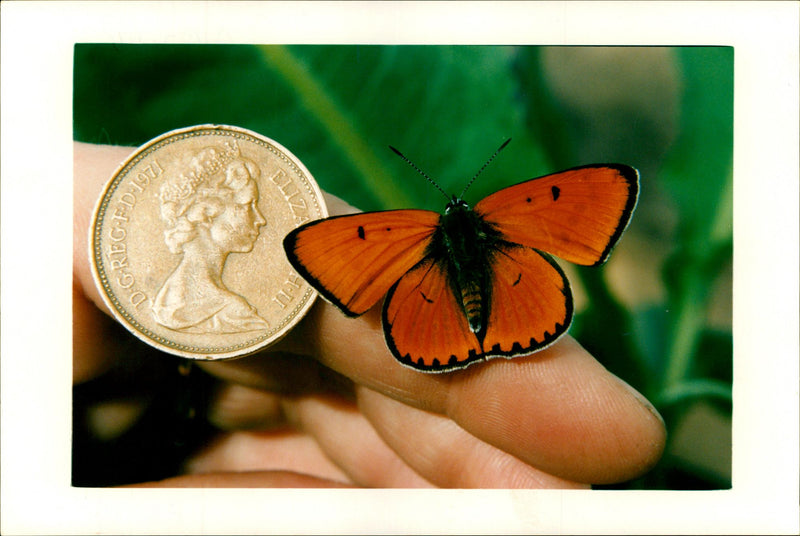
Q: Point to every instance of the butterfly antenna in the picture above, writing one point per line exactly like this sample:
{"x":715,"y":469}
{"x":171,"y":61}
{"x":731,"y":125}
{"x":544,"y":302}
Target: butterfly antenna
{"x":484,"y":166}
{"x":410,"y":163}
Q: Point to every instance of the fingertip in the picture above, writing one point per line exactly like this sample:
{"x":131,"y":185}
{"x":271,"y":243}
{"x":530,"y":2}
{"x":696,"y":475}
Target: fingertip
{"x":642,"y":442}
{"x":560,"y":410}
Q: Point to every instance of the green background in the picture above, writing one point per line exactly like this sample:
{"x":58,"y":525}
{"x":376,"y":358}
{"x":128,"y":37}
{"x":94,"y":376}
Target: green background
{"x":667,"y":112}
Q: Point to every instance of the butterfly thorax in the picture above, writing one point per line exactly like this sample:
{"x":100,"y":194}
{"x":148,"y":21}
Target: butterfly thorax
{"x":465,"y":243}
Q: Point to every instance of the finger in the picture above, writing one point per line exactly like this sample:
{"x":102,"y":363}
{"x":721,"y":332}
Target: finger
{"x":92,"y":168}
{"x":343,"y":434}
{"x":280,"y":450}
{"x":350,"y":441}
{"x":445,"y":453}
{"x":249,"y":479}
{"x":558,"y":409}
{"x":94,"y":349}
{"x":279,"y":372}
{"x":96,"y":341}
{"x":238,"y":407}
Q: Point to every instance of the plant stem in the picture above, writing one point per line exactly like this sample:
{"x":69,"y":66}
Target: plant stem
{"x":312,"y":93}
{"x":693,"y":294}
{"x":686,"y":331}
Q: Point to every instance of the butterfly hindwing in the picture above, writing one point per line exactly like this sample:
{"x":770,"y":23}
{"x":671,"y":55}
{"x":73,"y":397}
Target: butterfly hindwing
{"x":530,"y":307}
{"x":424,"y":325}
{"x":354,"y":260}
{"x":531,"y":302}
{"x":577,"y":214}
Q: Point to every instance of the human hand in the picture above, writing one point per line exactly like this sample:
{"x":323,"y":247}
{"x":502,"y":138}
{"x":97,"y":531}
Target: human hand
{"x":329,"y":406}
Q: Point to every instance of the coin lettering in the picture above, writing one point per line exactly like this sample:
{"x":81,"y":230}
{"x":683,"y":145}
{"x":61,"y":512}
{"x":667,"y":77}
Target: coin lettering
{"x":292,"y":195}
{"x":291,"y":286}
{"x":186,"y":241}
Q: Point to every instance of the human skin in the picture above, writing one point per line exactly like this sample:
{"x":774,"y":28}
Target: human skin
{"x":329,"y":405}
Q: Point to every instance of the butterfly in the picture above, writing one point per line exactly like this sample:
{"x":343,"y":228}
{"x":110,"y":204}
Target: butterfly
{"x":476,"y":282}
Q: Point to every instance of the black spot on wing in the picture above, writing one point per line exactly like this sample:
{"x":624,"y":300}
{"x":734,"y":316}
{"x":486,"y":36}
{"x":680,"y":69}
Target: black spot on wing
{"x":361,"y":234}
{"x":424,"y":297}
{"x":556,"y":191}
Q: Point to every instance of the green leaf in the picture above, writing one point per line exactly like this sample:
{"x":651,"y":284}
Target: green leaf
{"x":650,"y":329}
{"x":698,"y":171}
{"x":698,"y":175}
{"x":715,"y":348}
{"x":335,"y":107}
{"x":692,"y":389}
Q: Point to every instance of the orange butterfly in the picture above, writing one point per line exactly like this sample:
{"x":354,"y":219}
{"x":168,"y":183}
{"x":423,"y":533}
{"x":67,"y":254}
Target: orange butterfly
{"x":470,"y":284}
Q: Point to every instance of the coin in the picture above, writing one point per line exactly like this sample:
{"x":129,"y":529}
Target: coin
{"x":186,"y":241}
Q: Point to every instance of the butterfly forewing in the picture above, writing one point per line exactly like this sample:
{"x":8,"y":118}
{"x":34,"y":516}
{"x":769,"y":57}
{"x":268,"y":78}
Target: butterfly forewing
{"x":577,"y":215}
{"x":353,"y":260}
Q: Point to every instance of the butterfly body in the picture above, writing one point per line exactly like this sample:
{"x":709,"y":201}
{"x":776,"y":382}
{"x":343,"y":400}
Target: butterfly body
{"x":464,"y":242}
{"x":470,"y":283}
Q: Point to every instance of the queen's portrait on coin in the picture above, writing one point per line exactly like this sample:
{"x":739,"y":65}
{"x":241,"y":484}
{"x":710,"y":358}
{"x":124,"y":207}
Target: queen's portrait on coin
{"x":208,"y":206}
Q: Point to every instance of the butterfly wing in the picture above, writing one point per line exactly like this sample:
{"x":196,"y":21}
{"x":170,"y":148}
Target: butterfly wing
{"x":577,"y":214}
{"x":531,"y":302}
{"x":354,"y":260}
{"x":424,"y":325}
{"x":530,"y":307}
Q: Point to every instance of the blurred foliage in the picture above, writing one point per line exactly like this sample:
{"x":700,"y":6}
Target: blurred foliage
{"x":448,"y":108}
{"x":674,"y":357}
{"x":336,"y":108}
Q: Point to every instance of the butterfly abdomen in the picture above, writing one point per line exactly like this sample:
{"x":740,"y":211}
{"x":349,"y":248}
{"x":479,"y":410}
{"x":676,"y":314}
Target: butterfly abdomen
{"x":465,"y":243}
{"x":472,"y":302}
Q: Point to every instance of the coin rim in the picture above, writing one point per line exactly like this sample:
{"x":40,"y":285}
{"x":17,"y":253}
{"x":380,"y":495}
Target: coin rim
{"x":207,"y":354}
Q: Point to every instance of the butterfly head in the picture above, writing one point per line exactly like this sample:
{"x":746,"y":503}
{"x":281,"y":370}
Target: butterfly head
{"x":456,"y":204}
